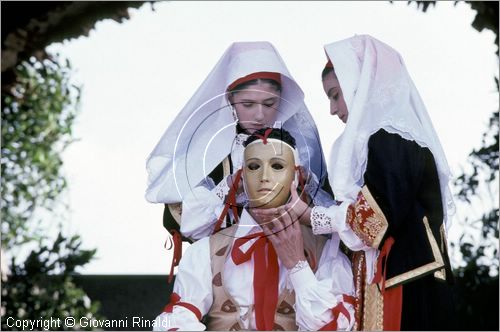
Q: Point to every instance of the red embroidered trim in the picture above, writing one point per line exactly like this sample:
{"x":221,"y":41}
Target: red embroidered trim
{"x":364,"y":221}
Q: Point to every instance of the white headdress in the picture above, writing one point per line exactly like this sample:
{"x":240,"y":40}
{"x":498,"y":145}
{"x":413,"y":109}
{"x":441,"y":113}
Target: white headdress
{"x":202,"y":134}
{"x":379,"y":93}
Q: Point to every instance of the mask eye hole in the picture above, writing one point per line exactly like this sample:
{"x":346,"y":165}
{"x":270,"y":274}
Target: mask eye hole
{"x":277,"y":166}
{"x":253,"y":166}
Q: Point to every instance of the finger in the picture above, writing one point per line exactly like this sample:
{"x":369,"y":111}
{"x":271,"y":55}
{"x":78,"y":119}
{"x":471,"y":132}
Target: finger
{"x":293,"y":215}
{"x":269,"y":230}
{"x":284,"y":217}
{"x":293,"y":191}
{"x":271,"y":212}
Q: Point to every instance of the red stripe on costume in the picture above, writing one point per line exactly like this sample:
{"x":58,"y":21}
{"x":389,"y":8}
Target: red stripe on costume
{"x":175,"y":300}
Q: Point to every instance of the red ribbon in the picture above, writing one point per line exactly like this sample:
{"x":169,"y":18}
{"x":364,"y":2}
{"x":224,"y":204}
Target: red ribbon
{"x":380,"y":275}
{"x":265,"y":277}
{"x":175,"y":299}
{"x":337,"y":310}
{"x":265,"y":136}
{"x":263,"y":75}
{"x":177,"y":255}
{"x":230,"y":203}
{"x":393,"y":297}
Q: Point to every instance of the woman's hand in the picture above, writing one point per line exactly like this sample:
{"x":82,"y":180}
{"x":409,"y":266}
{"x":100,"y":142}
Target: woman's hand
{"x":285,"y":235}
{"x":297,"y":205}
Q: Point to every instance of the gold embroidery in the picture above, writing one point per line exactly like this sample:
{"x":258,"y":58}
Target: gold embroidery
{"x":440,"y":274}
{"x":424,"y":269}
{"x":367,"y":219}
{"x":382,"y":221}
{"x":373,"y":316}
{"x":359,"y":274}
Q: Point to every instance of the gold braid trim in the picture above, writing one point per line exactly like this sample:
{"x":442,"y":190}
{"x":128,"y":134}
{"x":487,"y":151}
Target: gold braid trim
{"x":424,"y":269}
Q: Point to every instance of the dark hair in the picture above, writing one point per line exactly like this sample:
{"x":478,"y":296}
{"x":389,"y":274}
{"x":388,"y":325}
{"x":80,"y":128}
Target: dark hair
{"x":246,"y":84}
{"x":326,"y":71}
{"x":277,"y":133}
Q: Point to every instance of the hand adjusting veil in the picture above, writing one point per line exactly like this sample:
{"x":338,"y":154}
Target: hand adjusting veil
{"x":379,"y":93}
{"x":202,"y":134}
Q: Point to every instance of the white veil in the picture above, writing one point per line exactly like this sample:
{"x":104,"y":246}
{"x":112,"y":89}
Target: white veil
{"x":379,"y":93}
{"x":202,"y":134}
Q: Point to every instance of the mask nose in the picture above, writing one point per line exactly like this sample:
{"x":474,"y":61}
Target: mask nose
{"x":265,"y":174}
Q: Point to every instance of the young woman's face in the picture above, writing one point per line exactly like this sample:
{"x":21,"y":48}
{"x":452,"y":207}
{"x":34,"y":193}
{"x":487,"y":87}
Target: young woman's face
{"x":256,"y":106}
{"x":268,"y":173}
{"x":334,"y":93}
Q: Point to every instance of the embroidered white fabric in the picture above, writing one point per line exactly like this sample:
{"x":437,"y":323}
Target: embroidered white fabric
{"x":379,"y":94}
{"x":221,"y":189}
{"x":321,"y":223}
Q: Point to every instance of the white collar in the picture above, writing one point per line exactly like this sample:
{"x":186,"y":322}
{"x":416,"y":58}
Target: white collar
{"x":247,"y":225}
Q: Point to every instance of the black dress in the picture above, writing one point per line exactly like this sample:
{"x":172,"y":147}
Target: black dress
{"x":402,"y":177}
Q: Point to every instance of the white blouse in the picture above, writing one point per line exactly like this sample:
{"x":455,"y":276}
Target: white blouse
{"x":315,"y":293}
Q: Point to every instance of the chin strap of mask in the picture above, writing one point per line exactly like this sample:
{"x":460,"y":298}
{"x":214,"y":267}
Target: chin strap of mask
{"x":230,"y":203}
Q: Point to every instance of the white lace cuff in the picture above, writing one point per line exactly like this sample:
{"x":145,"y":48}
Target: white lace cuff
{"x":221,"y":189}
{"x":321,"y":223}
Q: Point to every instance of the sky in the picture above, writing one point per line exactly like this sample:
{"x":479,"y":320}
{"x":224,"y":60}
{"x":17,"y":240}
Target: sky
{"x":137,"y":76}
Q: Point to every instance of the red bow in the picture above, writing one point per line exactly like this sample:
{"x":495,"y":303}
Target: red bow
{"x":265,"y":277}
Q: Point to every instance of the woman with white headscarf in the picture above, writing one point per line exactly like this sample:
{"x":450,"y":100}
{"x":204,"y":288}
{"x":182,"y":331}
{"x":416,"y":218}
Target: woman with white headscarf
{"x":194,"y":161}
{"x":389,"y":165}
{"x":390,"y":176}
